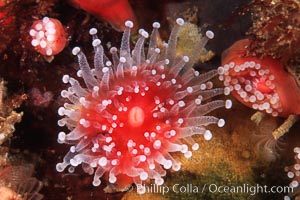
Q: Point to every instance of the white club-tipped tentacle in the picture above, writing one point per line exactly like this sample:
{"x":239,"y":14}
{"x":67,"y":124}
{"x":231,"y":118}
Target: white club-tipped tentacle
{"x":125,"y":43}
{"x":88,"y":78}
{"x":137,"y":51}
{"x":153,"y":40}
{"x":171,"y":49}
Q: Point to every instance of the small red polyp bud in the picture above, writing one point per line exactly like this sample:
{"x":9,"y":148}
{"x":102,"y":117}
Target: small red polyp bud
{"x":116,"y":12}
{"x":48,"y":36}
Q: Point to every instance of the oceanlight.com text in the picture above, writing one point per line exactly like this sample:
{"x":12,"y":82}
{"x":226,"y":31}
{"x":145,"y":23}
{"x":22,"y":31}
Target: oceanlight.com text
{"x":214,"y":188}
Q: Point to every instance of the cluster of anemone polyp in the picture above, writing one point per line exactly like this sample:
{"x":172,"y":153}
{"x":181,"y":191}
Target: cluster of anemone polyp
{"x":136,"y":109}
{"x":253,"y":84}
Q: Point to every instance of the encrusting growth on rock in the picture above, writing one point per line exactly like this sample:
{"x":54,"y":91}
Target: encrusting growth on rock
{"x":8,"y":117}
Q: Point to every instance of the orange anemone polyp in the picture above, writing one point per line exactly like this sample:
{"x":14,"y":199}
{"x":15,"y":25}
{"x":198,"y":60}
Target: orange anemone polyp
{"x":261,"y":84}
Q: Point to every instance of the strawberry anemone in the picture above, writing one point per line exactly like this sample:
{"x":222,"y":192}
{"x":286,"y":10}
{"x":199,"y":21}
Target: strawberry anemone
{"x":136,"y":110}
{"x":262,"y":84}
{"x":48,"y":36}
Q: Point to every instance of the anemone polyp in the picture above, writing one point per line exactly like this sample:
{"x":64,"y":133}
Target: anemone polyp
{"x":254,"y":85}
{"x":48,"y":36}
{"x":260,"y":83}
{"x":136,"y":109}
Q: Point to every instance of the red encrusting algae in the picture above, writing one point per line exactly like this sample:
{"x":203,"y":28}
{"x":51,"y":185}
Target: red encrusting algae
{"x":136,"y":110}
{"x":48,"y":36}
{"x":116,"y":12}
{"x":261,"y":84}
